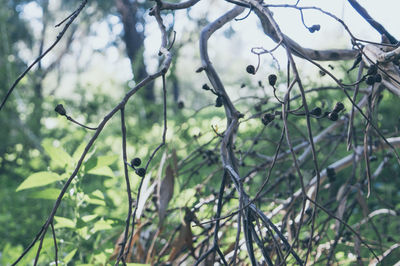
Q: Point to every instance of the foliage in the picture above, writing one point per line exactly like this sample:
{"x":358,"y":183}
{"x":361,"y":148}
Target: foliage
{"x":187,"y":202}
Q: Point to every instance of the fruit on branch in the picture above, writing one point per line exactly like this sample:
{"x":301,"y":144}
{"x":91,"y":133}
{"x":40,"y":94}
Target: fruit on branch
{"x":206,"y":87}
{"x":370,"y":80}
{"x":330,"y":172}
{"x":136,"y":161}
{"x":378,"y":78}
{"x":218,"y":101}
{"x":267,"y":118}
{"x":272,"y":79}
{"x":60,"y":109}
{"x":338,"y":107}
{"x":141,"y":172}
{"x":372,"y":70}
{"x":314,"y":28}
{"x":251,"y":69}
{"x":316,"y":111}
{"x":333,"y":116}
{"x":181,"y":105}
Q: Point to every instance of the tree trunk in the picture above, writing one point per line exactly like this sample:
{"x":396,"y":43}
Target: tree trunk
{"x":134,"y":42}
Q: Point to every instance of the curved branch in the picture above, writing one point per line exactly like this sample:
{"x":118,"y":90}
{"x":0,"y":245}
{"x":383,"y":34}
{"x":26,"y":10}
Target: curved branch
{"x":71,"y":19}
{"x":298,"y":50}
{"x":175,"y":6}
{"x":376,"y":25}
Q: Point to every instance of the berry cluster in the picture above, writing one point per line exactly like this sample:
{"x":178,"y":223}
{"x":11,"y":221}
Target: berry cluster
{"x":135,"y":163}
{"x":373,"y":76}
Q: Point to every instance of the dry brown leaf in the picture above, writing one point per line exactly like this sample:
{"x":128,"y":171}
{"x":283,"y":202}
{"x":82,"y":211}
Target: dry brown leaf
{"x":185,"y":239}
{"x":117,"y":246}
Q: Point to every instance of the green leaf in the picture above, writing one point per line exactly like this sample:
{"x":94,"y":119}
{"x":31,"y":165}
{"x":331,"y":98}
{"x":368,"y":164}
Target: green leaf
{"x":98,"y":194}
{"x":48,"y":193}
{"x":38,"y":180}
{"x":185,"y":197}
{"x":88,"y":218}
{"x":101,"y":225}
{"x":83,"y":232}
{"x":78,"y":152}
{"x":100,"y":162}
{"x":69,"y":256}
{"x":95,"y":201}
{"x":80,"y":223}
{"x":62,"y":222}
{"x":57,"y":154}
{"x":104,"y":171}
{"x":137,"y":264}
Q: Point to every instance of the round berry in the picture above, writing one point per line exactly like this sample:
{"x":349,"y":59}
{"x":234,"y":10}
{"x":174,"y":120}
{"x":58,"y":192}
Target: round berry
{"x":372,"y":70}
{"x":378,"y":78}
{"x":338,"y":107}
{"x":141,"y":172}
{"x":136,"y":161}
{"x":250,"y":69}
{"x":316,"y":111}
{"x":267,"y":118}
{"x":370,"y":80}
{"x":330,"y":172}
{"x":218,"y":101}
{"x":333,"y":116}
{"x":314,"y":28}
{"x":272,"y":79}
{"x":181,"y":105}
{"x":60,"y":109}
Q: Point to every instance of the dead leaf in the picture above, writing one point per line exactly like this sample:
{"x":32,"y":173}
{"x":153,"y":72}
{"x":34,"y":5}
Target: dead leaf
{"x":117,"y":246}
{"x":185,"y":238}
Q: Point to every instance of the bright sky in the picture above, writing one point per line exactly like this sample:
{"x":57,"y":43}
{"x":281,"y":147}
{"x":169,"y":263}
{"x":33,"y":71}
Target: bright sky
{"x":236,"y":50}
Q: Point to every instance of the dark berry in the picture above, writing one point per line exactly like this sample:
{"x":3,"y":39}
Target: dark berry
{"x":181,"y":105}
{"x":136,"y":161}
{"x":316,"y":111}
{"x":314,"y":28}
{"x":250,"y":69}
{"x":272,"y":79}
{"x":206,"y":87}
{"x":372,"y":70}
{"x":330,"y":172}
{"x":218,"y":101}
{"x":242,"y":86}
{"x":338,"y":107}
{"x":370,"y":80}
{"x":267,"y":118}
{"x":322,"y":73}
{"x":378,"y":78}
{"x":60,"y":109}
{"x":141,"y":172}
{"x":333,"y":116}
